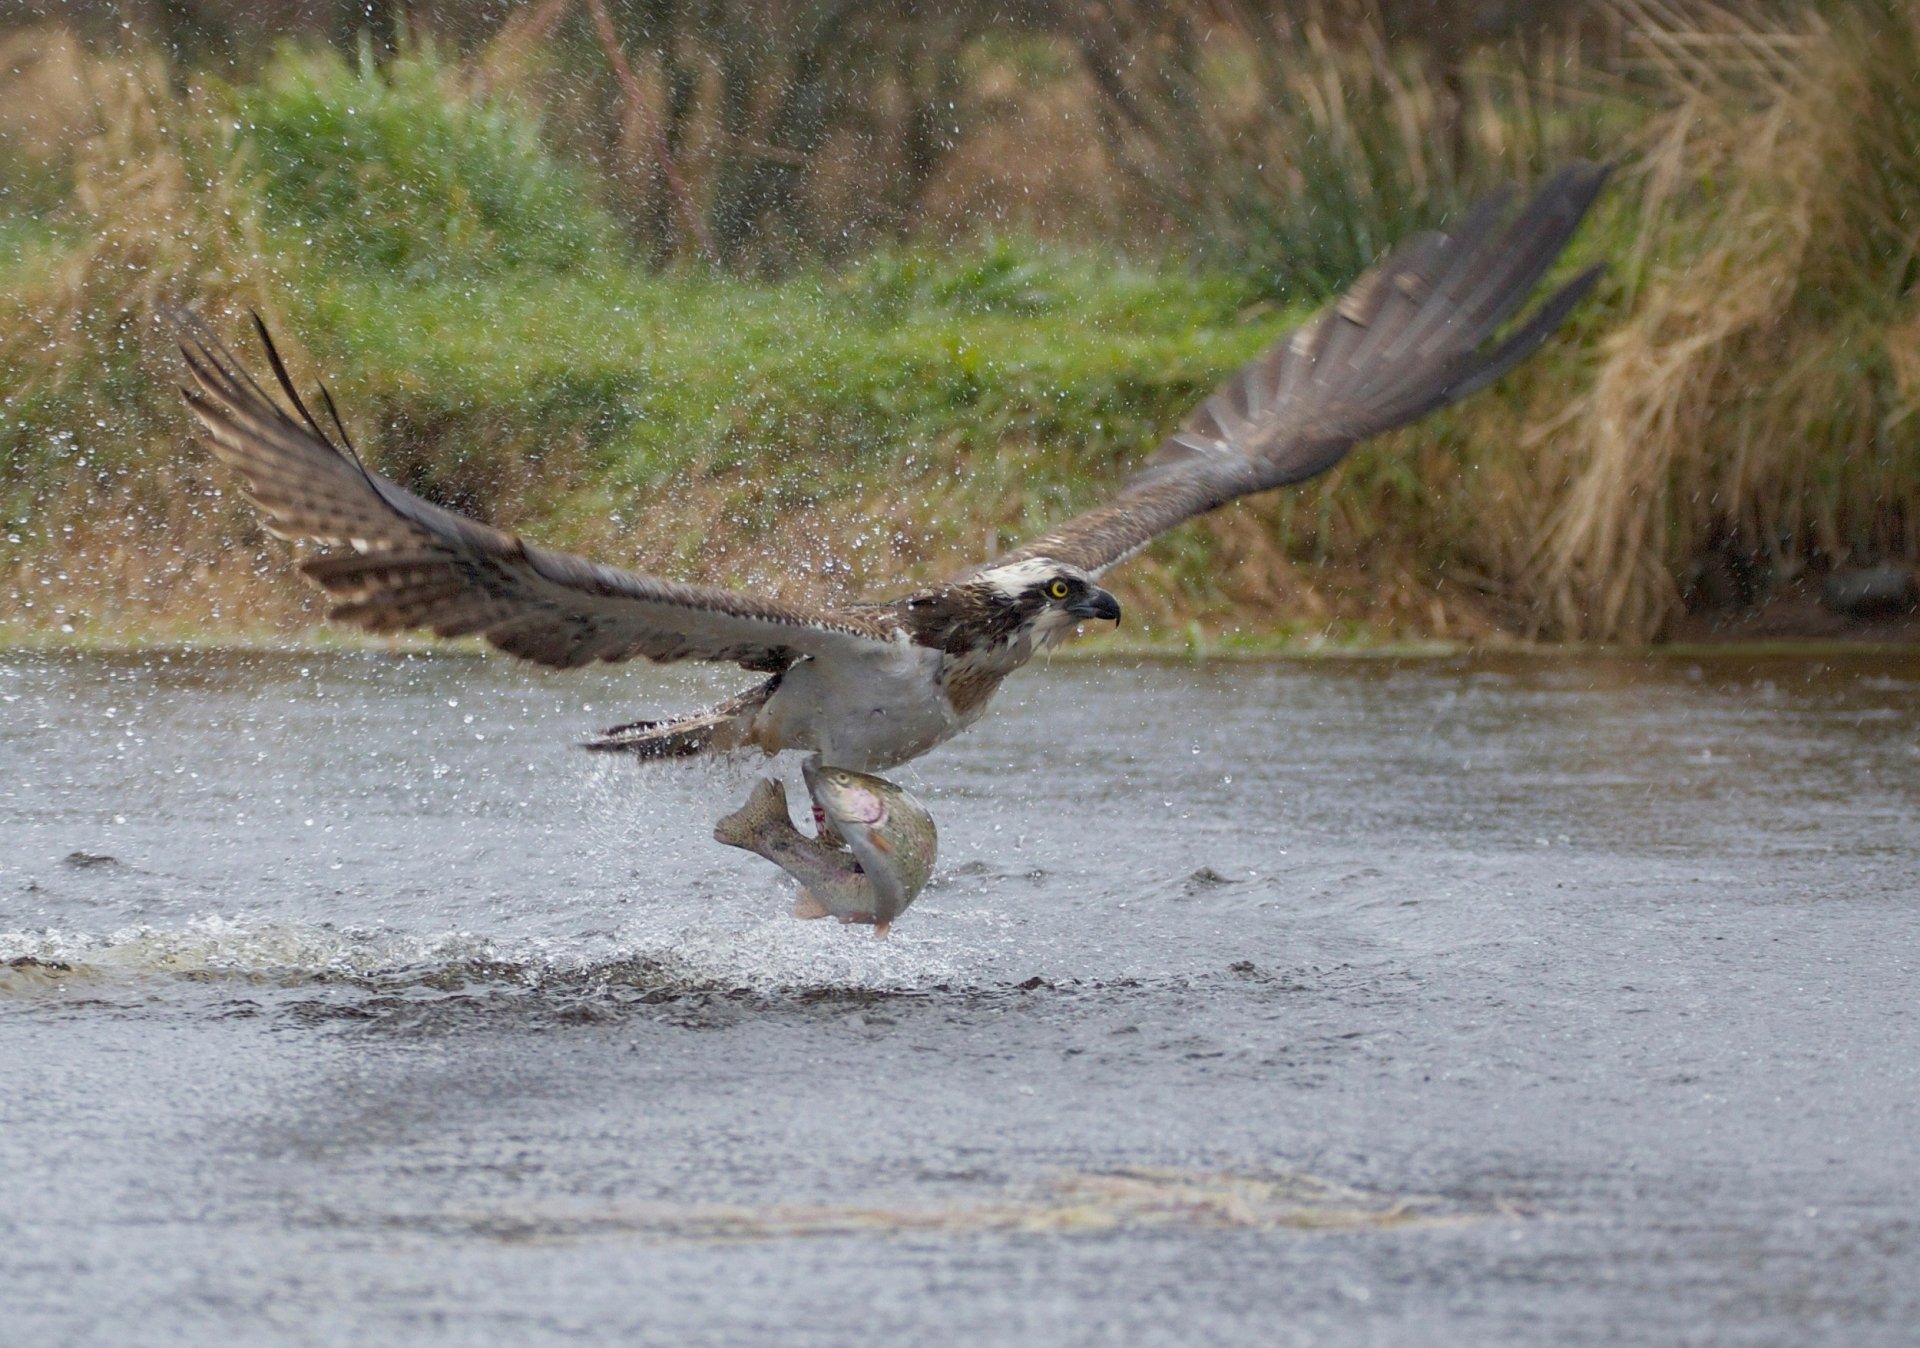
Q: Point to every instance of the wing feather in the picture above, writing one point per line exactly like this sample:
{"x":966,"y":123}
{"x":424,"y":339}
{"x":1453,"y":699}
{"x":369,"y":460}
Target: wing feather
{"x":396,"y":562}
{"x":1410,"y":336}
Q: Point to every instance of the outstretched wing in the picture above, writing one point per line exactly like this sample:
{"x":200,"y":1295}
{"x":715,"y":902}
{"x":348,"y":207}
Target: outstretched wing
{"x":1411,"y":335}
{"x":395,"y":561}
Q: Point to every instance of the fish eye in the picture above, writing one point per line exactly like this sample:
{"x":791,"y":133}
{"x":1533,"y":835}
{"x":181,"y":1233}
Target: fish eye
{"x":1058,"y":589}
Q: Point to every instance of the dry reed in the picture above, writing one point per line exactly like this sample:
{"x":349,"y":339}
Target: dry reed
{"x":159,"y":214}
{"x":1753,"y":410}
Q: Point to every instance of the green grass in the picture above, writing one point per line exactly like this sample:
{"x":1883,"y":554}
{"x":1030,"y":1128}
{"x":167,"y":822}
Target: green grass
{"x":403,"y":172}
{"x":816,"y":387}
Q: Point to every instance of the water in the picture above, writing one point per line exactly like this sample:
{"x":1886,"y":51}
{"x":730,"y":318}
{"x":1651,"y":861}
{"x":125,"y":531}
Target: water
{"x":1414,"y":1002}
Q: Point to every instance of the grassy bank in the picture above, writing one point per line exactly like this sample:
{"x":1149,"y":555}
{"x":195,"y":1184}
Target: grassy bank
{"x":1731,"y":415}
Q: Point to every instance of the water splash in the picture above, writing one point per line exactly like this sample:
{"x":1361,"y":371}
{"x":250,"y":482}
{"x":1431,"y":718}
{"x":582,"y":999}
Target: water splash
{"x":768,"y":957}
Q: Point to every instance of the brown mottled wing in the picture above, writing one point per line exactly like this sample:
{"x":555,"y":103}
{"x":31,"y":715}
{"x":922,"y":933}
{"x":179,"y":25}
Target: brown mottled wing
{"x":397,"y":561}
{"x":1413,"y":334}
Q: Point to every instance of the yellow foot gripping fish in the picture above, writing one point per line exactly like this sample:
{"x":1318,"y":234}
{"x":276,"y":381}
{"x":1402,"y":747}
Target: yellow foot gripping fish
{"x":887,"y":857}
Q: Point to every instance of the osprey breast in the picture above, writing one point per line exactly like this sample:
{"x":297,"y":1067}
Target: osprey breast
{"x":970,"y":683}
{"x":868,"y":714}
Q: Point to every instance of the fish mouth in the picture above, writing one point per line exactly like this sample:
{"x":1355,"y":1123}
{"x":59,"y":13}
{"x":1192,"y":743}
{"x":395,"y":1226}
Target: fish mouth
{"x":1095,"y":603}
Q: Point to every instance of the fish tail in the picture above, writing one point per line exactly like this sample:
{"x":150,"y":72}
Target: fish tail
{"x":764,"y":815}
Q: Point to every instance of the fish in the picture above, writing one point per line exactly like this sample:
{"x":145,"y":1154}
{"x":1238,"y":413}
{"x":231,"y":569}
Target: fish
{"x":873,"y":856}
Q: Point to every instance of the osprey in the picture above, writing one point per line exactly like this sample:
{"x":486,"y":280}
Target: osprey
{"x":868,"y":686}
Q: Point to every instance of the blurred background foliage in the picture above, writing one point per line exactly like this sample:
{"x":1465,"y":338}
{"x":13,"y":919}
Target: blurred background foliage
{"x":805,"y":294}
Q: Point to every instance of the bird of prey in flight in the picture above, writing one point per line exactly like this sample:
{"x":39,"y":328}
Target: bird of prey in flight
{"x":868,"y":686}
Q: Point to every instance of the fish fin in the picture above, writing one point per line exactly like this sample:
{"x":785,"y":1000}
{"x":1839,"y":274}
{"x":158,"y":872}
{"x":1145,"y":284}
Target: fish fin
{"x":766,"y":809}
{"x":806,"y":907}
{"x":881,"y":930}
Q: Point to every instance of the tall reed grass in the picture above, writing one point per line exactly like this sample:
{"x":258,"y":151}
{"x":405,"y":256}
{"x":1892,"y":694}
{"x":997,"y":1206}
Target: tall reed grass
{"x":1752,"y":414}
{"x":160,"y":209}
{"x":1295,"y":143}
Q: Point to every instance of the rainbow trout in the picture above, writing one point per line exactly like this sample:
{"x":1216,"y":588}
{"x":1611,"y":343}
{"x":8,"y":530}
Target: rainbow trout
{"x":888,"y":851}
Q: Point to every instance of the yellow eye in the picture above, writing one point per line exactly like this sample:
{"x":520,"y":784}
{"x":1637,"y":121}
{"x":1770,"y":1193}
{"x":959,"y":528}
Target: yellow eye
{"x":1058,"y":589}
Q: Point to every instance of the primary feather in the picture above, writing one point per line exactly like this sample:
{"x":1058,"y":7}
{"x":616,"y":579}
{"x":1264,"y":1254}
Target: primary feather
{"x":1410,"y":336}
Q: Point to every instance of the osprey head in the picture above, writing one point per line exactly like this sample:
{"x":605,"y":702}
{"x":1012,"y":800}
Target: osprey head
{"x":1043,"y":599}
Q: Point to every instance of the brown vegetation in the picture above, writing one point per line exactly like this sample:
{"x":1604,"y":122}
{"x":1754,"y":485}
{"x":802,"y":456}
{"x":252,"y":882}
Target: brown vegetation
{"x":1751,"y":418}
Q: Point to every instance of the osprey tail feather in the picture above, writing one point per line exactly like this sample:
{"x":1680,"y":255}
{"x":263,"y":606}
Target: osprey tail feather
{"x":718,"y":729}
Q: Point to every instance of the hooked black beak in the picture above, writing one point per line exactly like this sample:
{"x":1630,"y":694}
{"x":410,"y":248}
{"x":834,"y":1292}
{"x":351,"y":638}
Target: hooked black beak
{"x":1095,"y":603}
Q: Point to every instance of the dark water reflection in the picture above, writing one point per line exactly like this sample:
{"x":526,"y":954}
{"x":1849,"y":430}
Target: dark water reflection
{"x":1432,"y":1001}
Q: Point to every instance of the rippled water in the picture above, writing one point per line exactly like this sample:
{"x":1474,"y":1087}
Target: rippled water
{"x":343,"y":1001}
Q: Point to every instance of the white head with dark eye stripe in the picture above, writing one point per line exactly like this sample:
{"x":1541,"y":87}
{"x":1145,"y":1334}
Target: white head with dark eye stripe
{"x":1009,"y":609}
{"x":1046,"y":597}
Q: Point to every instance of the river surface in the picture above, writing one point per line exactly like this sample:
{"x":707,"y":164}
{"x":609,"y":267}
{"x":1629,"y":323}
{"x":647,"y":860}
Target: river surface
{"x":1490,"y":1001}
